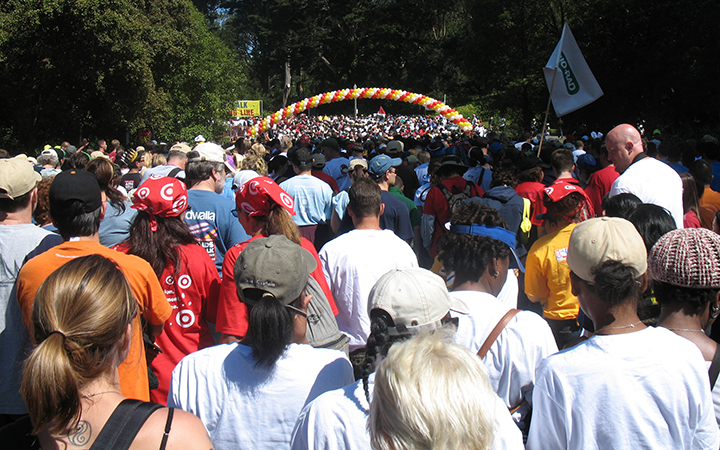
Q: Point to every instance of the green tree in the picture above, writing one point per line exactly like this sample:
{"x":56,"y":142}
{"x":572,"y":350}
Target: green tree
{"x":105,"y":67}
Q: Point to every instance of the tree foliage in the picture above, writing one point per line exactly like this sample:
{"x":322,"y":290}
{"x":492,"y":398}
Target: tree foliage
{"x":106,"y":67}
{"x":72,"y":67}
{"x":654,"y":61}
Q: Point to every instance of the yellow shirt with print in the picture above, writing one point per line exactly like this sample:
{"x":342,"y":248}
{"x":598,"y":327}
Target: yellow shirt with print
{"x":547,"y":275}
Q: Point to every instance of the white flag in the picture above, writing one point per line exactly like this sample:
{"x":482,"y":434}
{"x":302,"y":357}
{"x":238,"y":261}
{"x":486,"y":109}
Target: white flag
{"x":569,"y":79}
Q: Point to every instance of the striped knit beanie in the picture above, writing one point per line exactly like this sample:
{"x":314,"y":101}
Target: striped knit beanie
{"x":689,"y":257}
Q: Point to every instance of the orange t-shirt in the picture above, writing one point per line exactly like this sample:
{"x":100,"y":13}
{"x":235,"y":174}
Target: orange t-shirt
{"x":710,"y":200}
{"x":151,"y":300}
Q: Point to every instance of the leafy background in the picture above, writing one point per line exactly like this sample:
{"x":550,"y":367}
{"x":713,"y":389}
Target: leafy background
{"x":108,"y":68}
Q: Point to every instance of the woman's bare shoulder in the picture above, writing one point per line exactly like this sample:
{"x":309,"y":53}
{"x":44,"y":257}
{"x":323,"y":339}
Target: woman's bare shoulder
{"x":186,"y":431}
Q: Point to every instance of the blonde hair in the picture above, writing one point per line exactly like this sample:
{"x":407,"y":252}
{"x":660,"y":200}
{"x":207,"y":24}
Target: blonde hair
{"x":257,"y":149}
{"x":431,"y":394}
{"x":147,"y":159}
{"x":256,"y":163}
{"x":80,"y":318}
{"x":158,"y":159}
{"x":279,"y":221}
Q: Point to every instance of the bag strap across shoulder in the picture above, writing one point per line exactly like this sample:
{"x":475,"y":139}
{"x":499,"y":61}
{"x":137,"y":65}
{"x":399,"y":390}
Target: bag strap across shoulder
{"x":496,"y":332}
{"x":124,"y":424}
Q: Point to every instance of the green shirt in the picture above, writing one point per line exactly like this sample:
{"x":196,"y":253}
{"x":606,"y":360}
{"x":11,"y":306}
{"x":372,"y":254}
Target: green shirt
{"x":412,"y":207}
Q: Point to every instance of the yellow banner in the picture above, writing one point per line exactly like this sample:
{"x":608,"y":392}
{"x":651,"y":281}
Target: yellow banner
{"x":247,"y":108}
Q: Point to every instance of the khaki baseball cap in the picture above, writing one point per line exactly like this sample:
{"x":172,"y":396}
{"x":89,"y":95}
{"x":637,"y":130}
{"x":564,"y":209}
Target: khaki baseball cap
{"x":605,"y":239}
{"x":214,"y":153}
{"x":17,"y":177}
{"x":416,"y":299}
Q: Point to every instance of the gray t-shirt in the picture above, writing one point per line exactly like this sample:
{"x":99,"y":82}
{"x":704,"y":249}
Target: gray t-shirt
{"x":17,"y":243}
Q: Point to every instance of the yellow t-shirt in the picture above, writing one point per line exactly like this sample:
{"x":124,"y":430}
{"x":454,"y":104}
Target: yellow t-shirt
{"x":547,"y":275}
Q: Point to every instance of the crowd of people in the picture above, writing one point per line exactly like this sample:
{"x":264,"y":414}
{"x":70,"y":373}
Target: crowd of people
{"x":384,"y":282}
{"x":358,"y":128}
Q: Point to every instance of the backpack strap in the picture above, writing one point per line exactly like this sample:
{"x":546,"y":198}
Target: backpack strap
{"x":526,"y":223}
{"x":174,"y":172}
{"x":120,"y":430}
{"x":714,"y":367}
{"x":496,"y":332}
{"x":446,"y":192}
{"x":468,"y":188}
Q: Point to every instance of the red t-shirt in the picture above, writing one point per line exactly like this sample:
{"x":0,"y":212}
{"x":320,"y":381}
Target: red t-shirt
{"x":533,"y":191}
{"x":599,"y":185}
{"x":193,"y":297}
{"x":232,"y":314}
{"x":437,"y":205}
{"x":690,"y":220}
{"x":326,"y":178}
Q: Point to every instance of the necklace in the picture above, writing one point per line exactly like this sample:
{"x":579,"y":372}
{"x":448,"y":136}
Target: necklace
{"x":685,"y":329}
{"x":101,"y":393}
{"x":632,"y":325}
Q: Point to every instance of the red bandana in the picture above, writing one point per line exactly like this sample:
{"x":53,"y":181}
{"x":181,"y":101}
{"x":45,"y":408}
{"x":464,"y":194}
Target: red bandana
{"x":257,"y":197}
{"x":161,"y":196}
{"x":561,"y":189}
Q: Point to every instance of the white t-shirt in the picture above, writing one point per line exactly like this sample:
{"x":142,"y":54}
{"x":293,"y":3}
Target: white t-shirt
{"x":340,"y":202}
{"x":509,"y":293}
{"x":245,"y":406}
{"x":337,"y":420}
{"x":647,"y":389}
{"x":653,"y":182}
{"x":715,"y":395}
{"x":352,"y":263}
{"x":516,"y":353}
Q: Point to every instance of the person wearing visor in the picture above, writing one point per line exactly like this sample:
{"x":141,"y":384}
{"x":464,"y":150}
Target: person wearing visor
{"x":249,"y":394}
{"x":547,"y":275}
{"x":511,"y":343}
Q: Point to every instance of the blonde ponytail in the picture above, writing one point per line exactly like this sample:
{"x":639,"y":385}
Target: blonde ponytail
{"x":80,"y":317}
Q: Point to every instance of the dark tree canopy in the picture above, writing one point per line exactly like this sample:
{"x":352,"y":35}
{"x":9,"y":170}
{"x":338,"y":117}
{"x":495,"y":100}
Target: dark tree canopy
{"x":98,"y":67}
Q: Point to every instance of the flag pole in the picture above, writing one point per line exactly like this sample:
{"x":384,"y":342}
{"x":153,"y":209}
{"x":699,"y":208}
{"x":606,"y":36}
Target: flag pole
{"x":547,"y":112}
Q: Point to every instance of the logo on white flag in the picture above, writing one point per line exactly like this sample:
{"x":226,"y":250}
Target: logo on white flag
{"x":569,"y":79}
{"x":571,"y":83}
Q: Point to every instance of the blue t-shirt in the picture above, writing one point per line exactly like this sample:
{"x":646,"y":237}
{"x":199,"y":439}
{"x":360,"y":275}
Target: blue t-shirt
{"x":422,"y":173}
{"x":313,"y":199}
{"x":228,"y":191}
{"x":473,"y":174}
{"x":115,"y":226}
{"x":715,"y":185}
{"x":213,"y":223}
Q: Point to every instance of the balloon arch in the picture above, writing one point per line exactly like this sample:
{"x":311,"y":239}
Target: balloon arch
{"x":360,"y":93}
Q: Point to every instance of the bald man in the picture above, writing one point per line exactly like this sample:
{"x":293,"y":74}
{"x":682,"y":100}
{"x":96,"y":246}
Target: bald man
{"x":651,"y":180}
